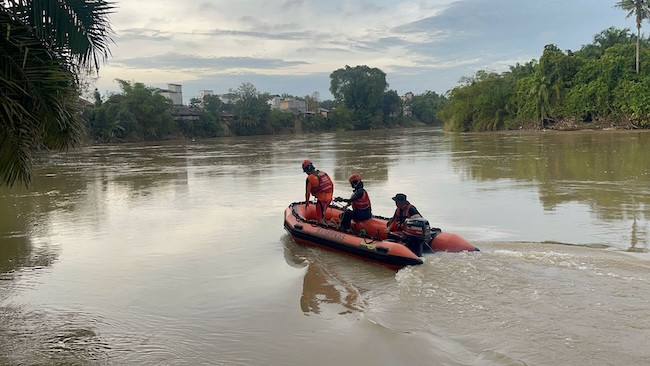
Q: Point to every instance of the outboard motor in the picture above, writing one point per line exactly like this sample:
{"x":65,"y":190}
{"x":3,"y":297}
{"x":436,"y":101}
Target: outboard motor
{"x":416,"y":233}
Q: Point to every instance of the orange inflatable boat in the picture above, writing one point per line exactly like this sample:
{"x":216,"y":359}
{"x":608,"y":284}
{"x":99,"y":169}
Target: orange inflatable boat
{"x":368,"y":239}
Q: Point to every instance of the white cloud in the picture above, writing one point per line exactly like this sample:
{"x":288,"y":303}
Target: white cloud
{"x":295,"y":44}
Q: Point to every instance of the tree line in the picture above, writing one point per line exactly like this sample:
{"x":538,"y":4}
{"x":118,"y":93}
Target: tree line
{"x":361,"y":101}
{"x":45,"y":50}
{"x":597,"y":82}
{"x":600,"y":81}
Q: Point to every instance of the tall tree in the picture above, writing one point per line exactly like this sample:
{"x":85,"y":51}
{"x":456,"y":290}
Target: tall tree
{"x":541,"y":92}
{"x":251,"y":110}
{"x":361,"y":89}
{"x":138,"y":113}
{"x":44,"y":46}
{"x":211,"y":118}
{"x":391,"y":105}
{"x":606,"y":39}
{"x":426,"y":106}
{"x":641,"y":10}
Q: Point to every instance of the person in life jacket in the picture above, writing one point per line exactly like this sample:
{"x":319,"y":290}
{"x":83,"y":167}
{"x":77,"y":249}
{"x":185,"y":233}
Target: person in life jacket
{"x":361,"y":208}
{"x":321,"y":186}
{"x":405,"y":210}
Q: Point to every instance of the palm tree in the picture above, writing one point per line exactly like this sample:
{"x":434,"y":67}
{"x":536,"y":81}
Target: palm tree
{"x":641,"y":10}
{"x":44,"y":46}
{"x":541,"y":93}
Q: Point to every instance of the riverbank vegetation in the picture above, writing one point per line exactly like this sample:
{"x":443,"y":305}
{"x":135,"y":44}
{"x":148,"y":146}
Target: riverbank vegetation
{"x":46,"y":50}
{"x":594,"y":86}
{"x":361,"y":101}
{"x":597,"y":86}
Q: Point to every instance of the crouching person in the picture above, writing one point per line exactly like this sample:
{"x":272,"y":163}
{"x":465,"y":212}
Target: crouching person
{"x":360,"y":201}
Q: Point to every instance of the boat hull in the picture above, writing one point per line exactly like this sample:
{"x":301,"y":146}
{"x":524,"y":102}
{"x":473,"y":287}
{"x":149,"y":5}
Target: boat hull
{"x":373,"y":246}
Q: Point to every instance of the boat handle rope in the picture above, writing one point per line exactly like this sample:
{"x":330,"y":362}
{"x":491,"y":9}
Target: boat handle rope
{"x":315,"y":223}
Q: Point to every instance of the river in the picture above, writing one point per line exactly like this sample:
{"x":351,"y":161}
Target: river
{"x":175,"y":253}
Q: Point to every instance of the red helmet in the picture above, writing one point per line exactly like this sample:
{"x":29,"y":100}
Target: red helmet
{"x":305,"y":164}
{"x":355,"y":177}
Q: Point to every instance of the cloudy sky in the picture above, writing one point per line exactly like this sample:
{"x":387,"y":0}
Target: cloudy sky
{"x":292,"y":46}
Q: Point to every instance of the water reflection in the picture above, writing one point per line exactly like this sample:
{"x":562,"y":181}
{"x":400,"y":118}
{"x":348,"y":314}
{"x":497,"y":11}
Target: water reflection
{"x":369,"y":155}
{"x":113,"y":244}
{"x":82,"y":182}
{"x":322,"y":292}
{"x":24,"y":216}
{"x":137,"y":168}
{"x":607,"y":170}
{"x":588,"y":166}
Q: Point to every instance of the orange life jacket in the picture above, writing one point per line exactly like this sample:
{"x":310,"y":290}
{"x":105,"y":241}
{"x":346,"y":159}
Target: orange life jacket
{"x":400,"y":216}
{"x":362,"y":203}
{"x":325,"y":183}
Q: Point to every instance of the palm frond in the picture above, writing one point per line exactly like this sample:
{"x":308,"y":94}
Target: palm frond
{"x":80,"y":26}
{"x":75,"y":29}
{"x":38,"y":95}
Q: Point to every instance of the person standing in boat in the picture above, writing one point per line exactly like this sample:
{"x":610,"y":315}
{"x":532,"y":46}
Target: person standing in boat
{"x":405,"y":210}
{"x":360,"y":201}
{"x":321,"y":186}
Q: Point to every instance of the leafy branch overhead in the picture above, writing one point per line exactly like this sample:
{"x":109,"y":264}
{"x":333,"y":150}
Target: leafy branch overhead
{"x":44,"y":46}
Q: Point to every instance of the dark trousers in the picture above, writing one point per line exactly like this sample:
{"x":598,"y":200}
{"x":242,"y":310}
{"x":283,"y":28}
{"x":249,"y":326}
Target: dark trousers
{"x":356,"y":215}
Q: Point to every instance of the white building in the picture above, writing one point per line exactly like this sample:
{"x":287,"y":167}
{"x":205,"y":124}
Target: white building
{"x":174,"y":92}
{"x":204,"y":93}
{"x":407,"y":101}
{"x":274,"y":102}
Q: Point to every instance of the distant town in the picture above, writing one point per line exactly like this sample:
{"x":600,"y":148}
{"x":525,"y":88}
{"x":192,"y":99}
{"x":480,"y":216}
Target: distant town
{"x":174,"y":92}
